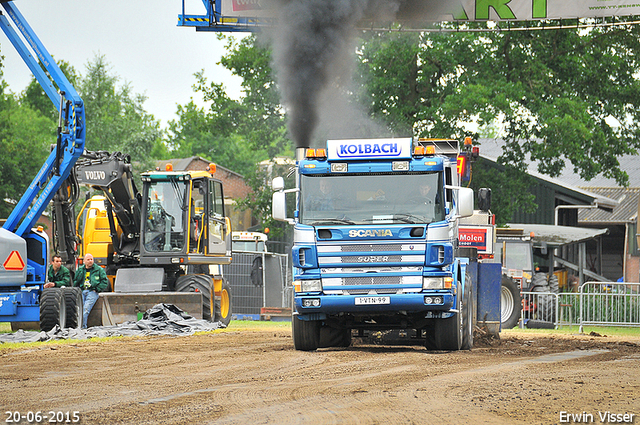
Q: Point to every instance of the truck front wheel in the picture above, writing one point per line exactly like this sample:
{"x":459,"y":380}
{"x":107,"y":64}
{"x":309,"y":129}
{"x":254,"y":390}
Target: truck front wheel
{"x":449,"y":332}
{"x":306,"y":334}
{"x":467,"y":318}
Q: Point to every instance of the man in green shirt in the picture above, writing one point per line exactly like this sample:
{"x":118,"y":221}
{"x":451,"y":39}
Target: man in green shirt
{"x":58,"y":275}
{"x":93,"y":280}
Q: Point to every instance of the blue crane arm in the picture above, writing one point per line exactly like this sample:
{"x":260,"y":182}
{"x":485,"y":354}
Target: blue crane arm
{"x":71,"y":128}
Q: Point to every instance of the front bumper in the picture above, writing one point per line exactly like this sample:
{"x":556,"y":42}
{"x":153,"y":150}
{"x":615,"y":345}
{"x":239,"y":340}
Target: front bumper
{"x":406,"y":302}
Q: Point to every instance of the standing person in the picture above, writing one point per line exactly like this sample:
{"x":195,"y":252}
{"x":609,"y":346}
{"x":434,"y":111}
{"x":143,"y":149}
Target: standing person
{"x":93,"y":280}
{"x":57,"y":275}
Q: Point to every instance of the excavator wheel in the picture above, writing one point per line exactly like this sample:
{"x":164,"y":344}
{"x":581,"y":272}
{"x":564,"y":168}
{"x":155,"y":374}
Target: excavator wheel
{"x":199,"y":283}
{"x":223,"y":305}
{"x":73,"y":306}
{"x":52,"y":309}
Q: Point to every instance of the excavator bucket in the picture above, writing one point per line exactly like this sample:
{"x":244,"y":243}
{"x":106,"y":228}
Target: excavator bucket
{"x":135,"y":291}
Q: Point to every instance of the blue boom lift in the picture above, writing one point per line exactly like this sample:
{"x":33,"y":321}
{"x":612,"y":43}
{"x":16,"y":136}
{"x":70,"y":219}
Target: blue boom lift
{"x":24,"y":250}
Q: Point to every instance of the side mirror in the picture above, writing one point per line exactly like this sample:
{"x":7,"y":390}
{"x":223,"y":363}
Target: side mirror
{"x":277,"y":184}
{"x":484,"y":199}
{"x":279,"y":206}
{"x":465,"y":202}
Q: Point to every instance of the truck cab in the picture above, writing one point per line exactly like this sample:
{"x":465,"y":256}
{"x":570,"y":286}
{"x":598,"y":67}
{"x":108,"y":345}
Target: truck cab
{"x":376,"y":242}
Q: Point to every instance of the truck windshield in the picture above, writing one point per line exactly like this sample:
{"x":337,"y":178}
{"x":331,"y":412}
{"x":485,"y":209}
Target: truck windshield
{"x":165,"y":216}
{"x":372,"y":199}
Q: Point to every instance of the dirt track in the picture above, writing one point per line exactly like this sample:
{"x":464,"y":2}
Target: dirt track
{"x":256,"y":377}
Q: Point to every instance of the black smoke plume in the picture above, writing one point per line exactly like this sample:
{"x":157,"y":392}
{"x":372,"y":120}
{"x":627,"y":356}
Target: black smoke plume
{"x":313,"y":46}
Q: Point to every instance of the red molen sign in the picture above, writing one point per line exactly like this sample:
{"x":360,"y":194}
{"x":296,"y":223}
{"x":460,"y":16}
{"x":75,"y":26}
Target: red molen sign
{"x":476,"y":238}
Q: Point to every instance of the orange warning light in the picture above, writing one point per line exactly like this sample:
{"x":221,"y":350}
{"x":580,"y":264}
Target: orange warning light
{"x":14,"y":261}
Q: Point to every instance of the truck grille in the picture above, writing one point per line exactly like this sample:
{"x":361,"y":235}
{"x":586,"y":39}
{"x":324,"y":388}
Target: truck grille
{"x":378,"y":291}
{"x":374,"y":280}
{"x":372,"y":248}
{"x":371,"y":259}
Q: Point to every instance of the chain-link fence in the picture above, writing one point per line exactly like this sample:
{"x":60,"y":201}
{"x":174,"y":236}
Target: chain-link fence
{"x":257,"y":279}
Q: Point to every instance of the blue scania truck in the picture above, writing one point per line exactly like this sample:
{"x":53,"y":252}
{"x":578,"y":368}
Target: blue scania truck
{"x":376,"y":244}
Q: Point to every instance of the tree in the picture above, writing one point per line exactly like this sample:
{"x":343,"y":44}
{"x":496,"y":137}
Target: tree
{"x":34,"y":95}
{"x":115,"y":115}
{"x":560,"y":95}
{"x":25,"y":140}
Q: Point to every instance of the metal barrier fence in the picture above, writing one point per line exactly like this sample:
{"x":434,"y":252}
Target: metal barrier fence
{"x":609,"y":304}
{"x":595,"y":304}
{"x":540,"y":308}
{"x":256,"y":280}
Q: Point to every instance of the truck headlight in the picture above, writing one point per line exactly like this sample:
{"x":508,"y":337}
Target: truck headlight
{"x":432,"y":283}
{"x":312,"y":285}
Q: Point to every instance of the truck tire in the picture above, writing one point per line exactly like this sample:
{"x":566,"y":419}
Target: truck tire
{"x":199,"y":283}
{"x":73,"y":307}
{"x":467,"y":310}
{"x":223,"y":305}
{"x":52,"y":309}
{"x":449,"y":332}
{"x":306,"y":334}
{"x":510,"y":303}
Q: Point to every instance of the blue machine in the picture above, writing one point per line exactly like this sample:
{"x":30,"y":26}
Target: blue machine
{"x":376,"y":244}
{"x":24,"y":251}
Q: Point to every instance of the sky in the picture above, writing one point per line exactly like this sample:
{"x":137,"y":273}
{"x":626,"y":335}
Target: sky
{"x":140,"y":39}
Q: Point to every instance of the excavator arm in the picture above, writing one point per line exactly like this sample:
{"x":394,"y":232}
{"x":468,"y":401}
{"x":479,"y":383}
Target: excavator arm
{"x":112,"y":174}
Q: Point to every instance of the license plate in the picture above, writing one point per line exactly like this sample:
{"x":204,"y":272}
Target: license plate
{"x":373,"y":300}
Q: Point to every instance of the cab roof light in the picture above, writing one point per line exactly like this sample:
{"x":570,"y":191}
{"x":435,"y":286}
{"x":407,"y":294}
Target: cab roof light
{"x":418,"y":151}
{"x":468,"y":141}
{"x":430,"y":150}
{"x":212,"y":168}
{"x":316,"y":153}
{"x":168,"y":167}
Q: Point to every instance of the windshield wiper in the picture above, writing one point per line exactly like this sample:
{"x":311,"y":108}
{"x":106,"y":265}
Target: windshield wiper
{"x":332,"y":221}
{"x":411,"y":218}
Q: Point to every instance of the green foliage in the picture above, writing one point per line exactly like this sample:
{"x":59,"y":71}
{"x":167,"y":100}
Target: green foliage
{"x":25,"y":139}
{"x":115,"y":115}
{"x":259,"y":201}
{"x":509,"y":189}
{"x":35,"y":97}
{"x":558,"y":95}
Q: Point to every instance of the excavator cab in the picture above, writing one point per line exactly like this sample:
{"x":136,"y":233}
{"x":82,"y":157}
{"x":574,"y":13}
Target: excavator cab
{"x":184,"y":220}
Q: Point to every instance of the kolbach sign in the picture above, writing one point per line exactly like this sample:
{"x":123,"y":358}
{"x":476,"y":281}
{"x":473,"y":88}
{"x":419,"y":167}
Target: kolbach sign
{"x":464,"y":10}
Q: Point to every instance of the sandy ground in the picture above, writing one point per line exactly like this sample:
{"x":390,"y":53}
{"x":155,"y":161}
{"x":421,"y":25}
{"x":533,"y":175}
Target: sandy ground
{"x":256,"y":377}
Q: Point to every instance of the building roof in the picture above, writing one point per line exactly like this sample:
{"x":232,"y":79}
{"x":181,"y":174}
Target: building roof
{"x":491,"y":149}
{"x":182,"y":164}
{"x":557,"y":236}
{"x":628,"y":163}
{"x":625,"y":212}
